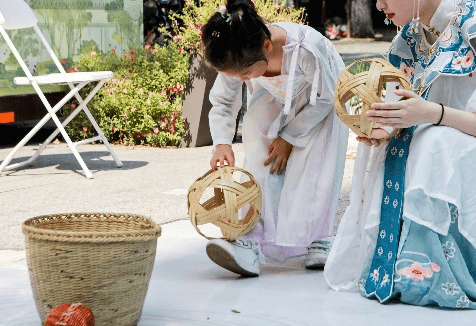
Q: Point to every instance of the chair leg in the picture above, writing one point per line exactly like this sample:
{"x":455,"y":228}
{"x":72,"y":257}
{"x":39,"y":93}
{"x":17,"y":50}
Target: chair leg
{"x":5,"y":164}
{"x":88,"y":173}
{"x":83,"y":104}
{"x":66,"y":121}
{"x":103,"y":138}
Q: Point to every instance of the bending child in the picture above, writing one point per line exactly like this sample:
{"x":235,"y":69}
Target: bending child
{"x":410,"y":229}
{"x":293,"y":141}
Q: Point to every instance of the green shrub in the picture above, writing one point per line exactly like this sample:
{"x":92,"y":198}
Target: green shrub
{"x":142,"y":104}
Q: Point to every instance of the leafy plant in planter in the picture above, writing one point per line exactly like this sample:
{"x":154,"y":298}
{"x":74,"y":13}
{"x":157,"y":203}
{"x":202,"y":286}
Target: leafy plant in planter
{"x":143,"y":103}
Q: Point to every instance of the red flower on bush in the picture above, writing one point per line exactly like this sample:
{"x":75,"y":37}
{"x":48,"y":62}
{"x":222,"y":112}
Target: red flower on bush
{"x":132,"y":51}
{"x":124,"y":55}
{"x":175,"y":89}
{"x":63,"y":62}
{"x":147,"y":46}
{"x":113,"y":50}
{"x":130,"y":69}
{"x":113,"y":128}
{"x":85,"y":129}
{"x":132,"y":57}
{"x":73,"y":105}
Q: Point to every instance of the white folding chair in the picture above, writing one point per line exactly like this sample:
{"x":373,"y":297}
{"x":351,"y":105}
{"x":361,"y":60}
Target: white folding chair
{"x":16,"y":14}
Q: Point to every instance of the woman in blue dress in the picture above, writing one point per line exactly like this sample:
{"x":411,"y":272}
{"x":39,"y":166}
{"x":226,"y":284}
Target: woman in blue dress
{"x":409,"y":232}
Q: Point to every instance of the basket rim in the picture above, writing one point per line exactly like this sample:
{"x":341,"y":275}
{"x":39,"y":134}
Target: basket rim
{"x":31,"y":230}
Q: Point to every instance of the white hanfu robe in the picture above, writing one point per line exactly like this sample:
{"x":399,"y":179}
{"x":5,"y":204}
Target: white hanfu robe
{"x":299,"y":205}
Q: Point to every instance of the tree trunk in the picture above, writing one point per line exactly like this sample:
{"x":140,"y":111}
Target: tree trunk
{"x":359,"y":16}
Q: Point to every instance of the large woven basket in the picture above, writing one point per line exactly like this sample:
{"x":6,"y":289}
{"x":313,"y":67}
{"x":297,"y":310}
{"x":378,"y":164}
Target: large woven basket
{"x":103,"y":261}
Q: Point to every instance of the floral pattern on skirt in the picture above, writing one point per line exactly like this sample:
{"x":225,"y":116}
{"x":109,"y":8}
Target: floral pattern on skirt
{"x":434,"y":269}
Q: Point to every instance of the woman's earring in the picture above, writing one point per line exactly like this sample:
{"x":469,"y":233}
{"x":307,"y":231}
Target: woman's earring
{"x":415,"y":24}
{"x":387,"y":21}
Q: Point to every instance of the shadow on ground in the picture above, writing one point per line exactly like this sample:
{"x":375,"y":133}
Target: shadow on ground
{"x":94,"y":161}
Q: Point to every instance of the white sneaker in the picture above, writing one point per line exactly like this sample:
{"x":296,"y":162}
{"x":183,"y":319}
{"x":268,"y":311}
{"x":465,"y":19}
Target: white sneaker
{"x":241,"y":256}
{"x":317,"y":254}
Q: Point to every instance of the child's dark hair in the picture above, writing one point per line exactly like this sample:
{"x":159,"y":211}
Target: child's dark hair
{"x":236,"y":39}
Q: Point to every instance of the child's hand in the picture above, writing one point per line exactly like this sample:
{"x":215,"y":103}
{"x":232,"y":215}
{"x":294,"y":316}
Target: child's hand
{"x":279,"y":150}
{"x":223,"y":153}
{"x":376,"y":138}
{"x":412,"y":110}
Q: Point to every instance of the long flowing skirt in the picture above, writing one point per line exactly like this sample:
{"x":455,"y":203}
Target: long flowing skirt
{"x":299,"y":205}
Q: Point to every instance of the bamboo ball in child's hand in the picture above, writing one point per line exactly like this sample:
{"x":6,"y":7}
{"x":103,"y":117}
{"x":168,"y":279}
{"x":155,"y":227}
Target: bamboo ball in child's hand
{"x":70,"y":314}
{"x":229,"y":196}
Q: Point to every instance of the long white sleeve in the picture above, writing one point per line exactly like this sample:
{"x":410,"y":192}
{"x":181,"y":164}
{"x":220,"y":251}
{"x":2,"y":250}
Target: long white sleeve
{"x":225,"y":97}
{"x":299,"y":130}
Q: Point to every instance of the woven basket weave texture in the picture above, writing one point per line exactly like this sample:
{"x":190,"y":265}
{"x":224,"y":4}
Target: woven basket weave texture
{"x":103,"y":261}
{"x":229,"y":196}
{"x":367,"y":86}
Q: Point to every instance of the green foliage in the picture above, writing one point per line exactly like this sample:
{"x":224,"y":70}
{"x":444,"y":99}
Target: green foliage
{"x":194,"y":17}
{"x":142,"y":104}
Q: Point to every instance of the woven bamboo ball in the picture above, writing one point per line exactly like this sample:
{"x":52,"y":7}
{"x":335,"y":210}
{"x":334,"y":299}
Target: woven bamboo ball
{"x":367,"y":86}
{"x":229,"y":196}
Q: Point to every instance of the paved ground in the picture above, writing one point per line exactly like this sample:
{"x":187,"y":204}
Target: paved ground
{"x":153,"y":182}
{"x":187,"y":289}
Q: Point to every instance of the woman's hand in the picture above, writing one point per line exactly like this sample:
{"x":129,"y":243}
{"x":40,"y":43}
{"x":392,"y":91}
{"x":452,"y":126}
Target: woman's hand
{"x":377,"y":137}
{"x":412,"y":110}
{"x":223,"y":153}
{"x":279,"y":150}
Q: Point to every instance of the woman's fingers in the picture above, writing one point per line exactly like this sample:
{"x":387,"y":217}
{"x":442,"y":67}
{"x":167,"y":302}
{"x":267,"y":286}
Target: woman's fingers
{"x":406,"y":93}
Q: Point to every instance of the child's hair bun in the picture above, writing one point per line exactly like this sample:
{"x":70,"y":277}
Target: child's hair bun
{"x":234,"y":38}
{"x":240,"y":8}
